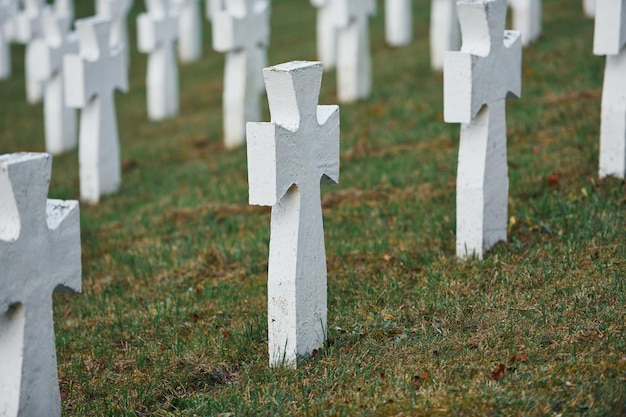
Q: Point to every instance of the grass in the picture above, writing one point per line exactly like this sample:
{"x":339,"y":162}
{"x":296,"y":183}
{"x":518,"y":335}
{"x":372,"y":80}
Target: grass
{"x":172,"y":319}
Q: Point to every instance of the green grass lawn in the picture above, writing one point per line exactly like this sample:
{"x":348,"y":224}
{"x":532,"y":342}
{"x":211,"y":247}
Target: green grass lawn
{"x":172,"y":319}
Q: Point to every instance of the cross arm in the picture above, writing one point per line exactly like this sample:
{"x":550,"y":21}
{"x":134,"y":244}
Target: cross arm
{"x":610,"y":27}
{"x":63,"y":221}
{"x":328,"y":149}
{"x":227,"y":33}
{"x":271,"y":159}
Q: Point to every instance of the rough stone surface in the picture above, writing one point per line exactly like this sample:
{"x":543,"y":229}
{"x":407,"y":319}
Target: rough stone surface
{"x":610,"y":40}
{"x":399,"y":22}
{"x":241,"y":31}
{"x":477,"y":81}
{"x":117,"y":12}
{"x":287,"y":161}
{"x":189,"y":30}
{"x":40,"y":255}
{"x":91,"y":77}
{"x":354,"y":61}
{"x":445,"y":33}
{"x":45,"y":56}
{"x":527,"y":19}
{"x":157,"y":32}
{"x":326,"y":34}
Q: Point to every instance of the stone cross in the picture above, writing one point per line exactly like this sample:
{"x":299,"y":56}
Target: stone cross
{"x":28,"y":30}
{"x":8,"y":11}
{"x":117,"y":12}
{"x":40,"y":255}
{"x":47,"y":55}
{"x":610,"y":40}
{"x":65,"y":8}
{"x":326,"y":33}
{"x":399,"y":22}
{"x":287,"y":161}
{"x":212,"y":7}
{"x":189,"y":30}
{"x":589,"y":6}
{"x":354,"y":62}
{"x":445,"y":34}
{"x":91,"y":77}
{"x":527,"y":19}
{"x":157,"y":31}
{"x":242,"y":32}
{"x":477,"y":81}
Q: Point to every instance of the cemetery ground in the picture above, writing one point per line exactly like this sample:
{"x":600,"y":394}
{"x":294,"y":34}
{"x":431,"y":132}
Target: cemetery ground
{"x":172,"y":319}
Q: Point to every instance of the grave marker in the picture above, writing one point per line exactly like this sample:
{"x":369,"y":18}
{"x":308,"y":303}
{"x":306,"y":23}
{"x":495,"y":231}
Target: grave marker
{"x":445,"y":34}
{"x":117,"y":12}
{"x":157,"y":31}
{"x":65,"y":8}
{"x":46,"y":57}
{"x":354,"y":62}
{"x":28,"y":30}
{"x":189,"y":30}
{"x":326,"y":33}
{"x":242,"y":32}
{"x":589,"y":6}
{"x":287,"y":161}
{"x":610,"y":40}
{"x":40,"y":255}
{"x":214,"y":6}
{"x":8,"y":12}
{"x":91,"y":77}
{"x":477,"y":81}
{"x":398,"y":22}
{"x":527,"y":19}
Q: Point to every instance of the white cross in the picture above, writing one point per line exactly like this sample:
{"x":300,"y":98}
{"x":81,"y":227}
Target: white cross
{"x":40,"y":255}
{"x":189,"y":30}
{"x":527,"y":19}
{"x":326,"y":33}
{"x":477,"y":81}
{"x":354,"y":61}
{"x":28,"y":30}
{"x":242,"y":32}
{"x":610,"y":40}
{"x":157,"y":31}
{"x":445,"y":34}
{"x":287,"y":160}
{"x":91,"y":77}
{"x":46,"y":57}
{"x":8,"y":12}
{"x":65,"y":8}
{"x":399,"y":22}
{"x":589,"y":6}
{"x":117,"y":11}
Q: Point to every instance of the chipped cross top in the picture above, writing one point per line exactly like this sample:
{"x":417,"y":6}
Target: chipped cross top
{"x":40,"y":255}
{"x":477,"y":81}
{"x":287,"y":161}
{"x":91,"y":77}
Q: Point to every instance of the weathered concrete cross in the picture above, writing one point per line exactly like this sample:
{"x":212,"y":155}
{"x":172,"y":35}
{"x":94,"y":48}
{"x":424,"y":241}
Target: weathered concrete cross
{"x":445,"y":34}
{"x":477,"y":81}
{"x":399,"y":22}
{"x":189,"y":30}
{"x":157,"y":31}
{"x":354,"y":61}
{"x":117,"y":11}
{"x":39,"y":254}
{"x":241,"y":31}
{"x":610,"y":40}
{"x":287,"y":160}
{"x":326,"y":33}
{"x":91,"y":77}
{"x":46,"y":57}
